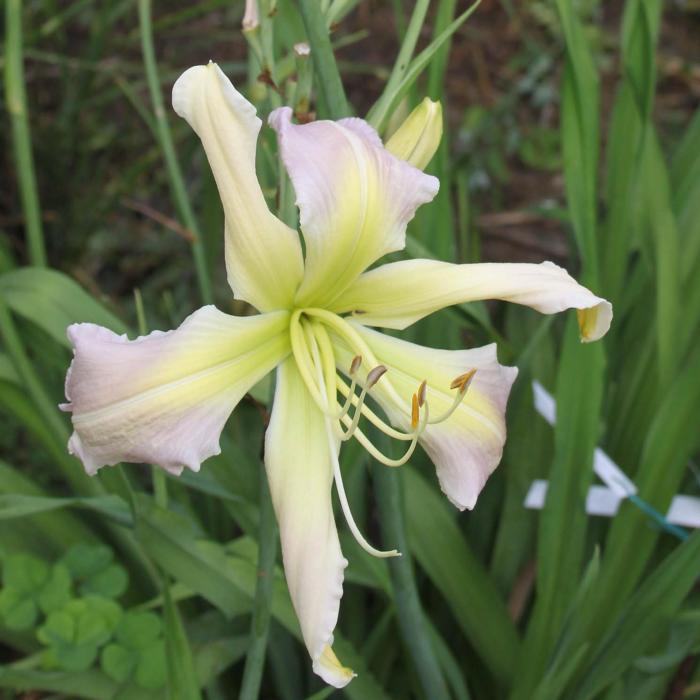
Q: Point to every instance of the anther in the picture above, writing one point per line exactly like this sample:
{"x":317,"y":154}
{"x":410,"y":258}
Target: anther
{"x":355,"y":364}
{"x":460,"y":383}
{"x":463,"y":381}
{"x":374,"y":375}
{"x":415,"y":411}
{"x":422,"y":391}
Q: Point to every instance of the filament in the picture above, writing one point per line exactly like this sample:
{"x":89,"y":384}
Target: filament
{"x":328,"y":360}
{"x":379,"y":455}
{"x":371,"y":416}
{"x":338,"y":478}
{"x":342,"y":497}
{"x":355,"y":341}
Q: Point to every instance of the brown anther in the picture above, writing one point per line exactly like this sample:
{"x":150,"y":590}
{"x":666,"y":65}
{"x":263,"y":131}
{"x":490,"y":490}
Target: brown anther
{"x":375,"y":375}
{"x":463,"y":381}
{"x":355,"y":364}
{"x":415,"y":411}
{"x":422,"y":391}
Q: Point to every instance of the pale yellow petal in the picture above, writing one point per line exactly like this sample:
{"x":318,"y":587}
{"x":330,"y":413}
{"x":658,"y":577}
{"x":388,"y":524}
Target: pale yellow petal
{"x":399,"y":294}
{"x":466,"y":447}
{"x":300,"y":472}
{"x":164,"y":398}
{"x":263,"y":255}
{"x":355,"y":199}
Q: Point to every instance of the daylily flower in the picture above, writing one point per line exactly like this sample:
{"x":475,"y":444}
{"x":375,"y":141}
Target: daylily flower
{"x":164,"y":398}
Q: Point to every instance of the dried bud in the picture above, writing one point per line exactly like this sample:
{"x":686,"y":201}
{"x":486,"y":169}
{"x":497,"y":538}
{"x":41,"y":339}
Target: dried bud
{"x":251,"y":17}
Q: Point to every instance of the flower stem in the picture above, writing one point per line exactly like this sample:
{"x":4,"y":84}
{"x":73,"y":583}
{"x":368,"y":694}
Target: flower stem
{"x":325,"y":67}
{"x":260,"y":627}
{"x":16,"y":100}
{"x":165,"y":141}
{"x":412,"y":624}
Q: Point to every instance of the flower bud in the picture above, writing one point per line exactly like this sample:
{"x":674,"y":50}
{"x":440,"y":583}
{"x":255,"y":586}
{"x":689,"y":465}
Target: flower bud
{"x":417,"y":139}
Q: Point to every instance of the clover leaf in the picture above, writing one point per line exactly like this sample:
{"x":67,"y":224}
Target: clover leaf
{"x":30,"y":585}
{"x":138,"y":652}
{"x":92,"y":566}
{"x":75,"y":633}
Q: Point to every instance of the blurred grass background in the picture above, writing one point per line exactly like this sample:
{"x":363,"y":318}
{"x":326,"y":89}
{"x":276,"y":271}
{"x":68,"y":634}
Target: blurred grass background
{"x":571,"y":134}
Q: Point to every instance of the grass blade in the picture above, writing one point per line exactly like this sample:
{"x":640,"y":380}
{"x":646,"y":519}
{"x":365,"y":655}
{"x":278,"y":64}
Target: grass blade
{"x":165,"y":141}
{"x":411,"y":618}
{"x":325,"y":67}
{"x":16,"y":100}
{"x":182,"y":679}
{"x":260,"y":623}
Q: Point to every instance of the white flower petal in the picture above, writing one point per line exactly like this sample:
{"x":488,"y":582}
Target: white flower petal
{"x":354,"y":198}
{"x":164,"y":398}
{"x":263,"y":255}
{"x":398,"y":294}
{"x":466,"y":447}
{"x":300,"y":473}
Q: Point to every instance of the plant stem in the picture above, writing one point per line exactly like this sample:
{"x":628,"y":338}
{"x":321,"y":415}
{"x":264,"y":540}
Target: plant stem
{"x":412,"y":624}
{"x":16,"y":100}
{"x":165,"y":141}
{"x":326,"y":69}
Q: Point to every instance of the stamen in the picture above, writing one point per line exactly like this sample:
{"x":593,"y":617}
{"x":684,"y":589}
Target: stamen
{"x":372,"y":417}
{"x":373,"y":377}
{"x":415,"y":411}
{"x":463,"y":381}
{"x":419,"y":429}
{"x":328,"y":362}
{"x":355,"y":364}
{"x":354,"y":341}
{"x":337,"y":476}
{"x":422,"y":391}
{"x":380,"y":456}
{"x":300,"y":350}
{"x":342,"y":497}
{"x":320,"y":366}
{"x":462,"y":384}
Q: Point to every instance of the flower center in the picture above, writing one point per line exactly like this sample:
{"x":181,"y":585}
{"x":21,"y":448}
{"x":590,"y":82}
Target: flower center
{"x":314,"y":334}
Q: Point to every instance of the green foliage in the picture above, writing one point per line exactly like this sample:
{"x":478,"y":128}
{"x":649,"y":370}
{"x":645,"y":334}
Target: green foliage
{"x":30,"y":586}
{"x":75,"y":632}
{"x":138,"y":651}
{"x":93,"y":570}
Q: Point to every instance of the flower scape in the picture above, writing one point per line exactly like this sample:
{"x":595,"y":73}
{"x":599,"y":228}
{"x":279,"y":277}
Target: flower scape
{"x":164,"y":398}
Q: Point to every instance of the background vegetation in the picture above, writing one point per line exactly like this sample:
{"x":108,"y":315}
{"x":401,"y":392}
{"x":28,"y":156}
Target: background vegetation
{"x":572,"y":133}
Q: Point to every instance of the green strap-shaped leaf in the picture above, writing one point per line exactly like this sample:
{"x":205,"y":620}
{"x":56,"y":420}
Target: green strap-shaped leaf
{"x":53,"y":301}
{"x":441,"y":550}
